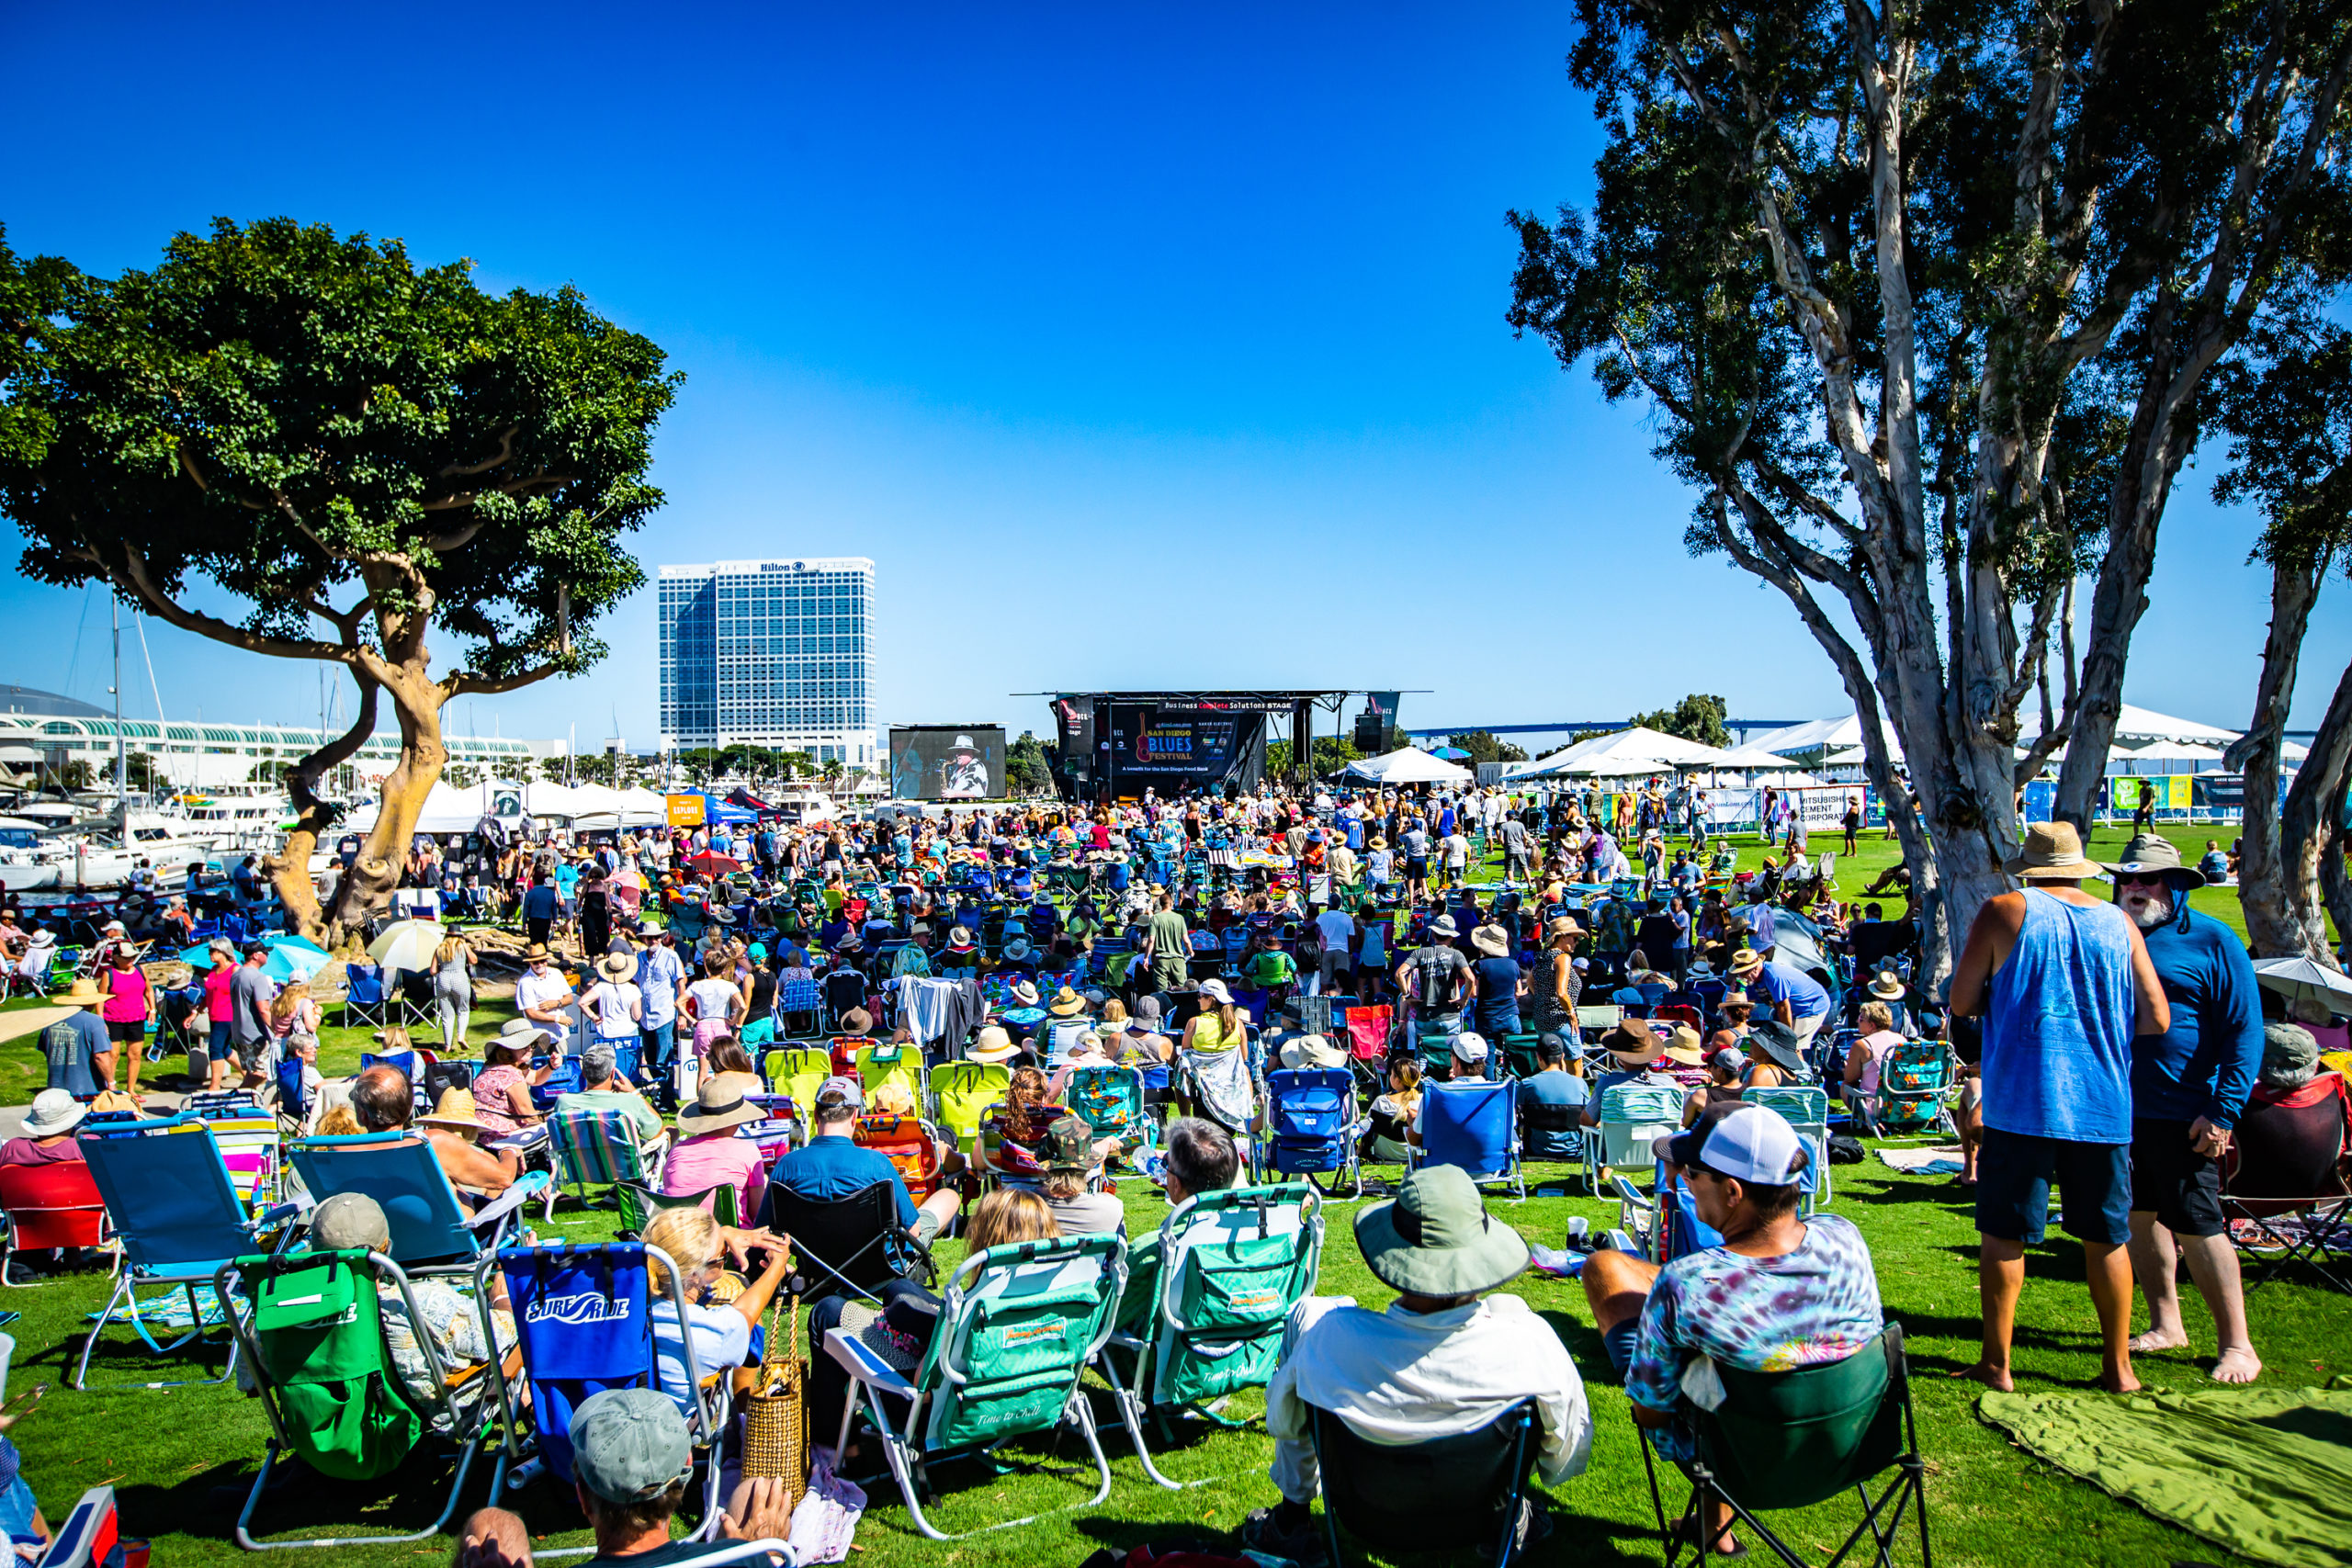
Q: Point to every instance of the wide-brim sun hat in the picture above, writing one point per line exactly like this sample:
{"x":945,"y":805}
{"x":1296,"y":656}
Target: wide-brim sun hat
{"x":1747,"y":962}
{"x":1311,"y":1053}
{"x":1564,"y":925}
{"x":1779,"y":1043}
{"x":1887,"y":986}
{"x":457,"y":1110}
{"x":1633,"y":1043}
{"x":2052,"y":853}
{"x":2152,"y":854}
{"x":1435,"y":1238}
{"x":1443,"y":926}
{"x":82,"y":993}
{"x":719,"y":1103}
{"x":1067,"y":1003}
{"x":615,"y":966}
{"x":1492,"y":940}
{"x":54,"y":1111}
{"x":993,"y":1045}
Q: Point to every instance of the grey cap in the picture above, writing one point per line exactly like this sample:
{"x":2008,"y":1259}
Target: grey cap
{"x":630,"y":1445}
{"x":2289,"y":1055}
{"x":598,"y":1062}
{"x":349,"y":1221}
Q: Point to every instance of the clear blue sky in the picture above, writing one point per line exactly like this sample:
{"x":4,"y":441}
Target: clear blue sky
{"x":1138,"y":345}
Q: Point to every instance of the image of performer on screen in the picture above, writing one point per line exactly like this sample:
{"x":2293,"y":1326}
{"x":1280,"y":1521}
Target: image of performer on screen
{"x":962,"y":775}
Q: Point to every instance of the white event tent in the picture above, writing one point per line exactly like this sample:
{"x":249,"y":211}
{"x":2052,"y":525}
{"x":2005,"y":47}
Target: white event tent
{"x":1408,"y":766}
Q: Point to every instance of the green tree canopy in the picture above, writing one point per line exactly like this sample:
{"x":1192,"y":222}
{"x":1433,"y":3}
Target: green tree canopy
{"x":1484,"y":747}
{"x":363,"y":453}
{"x":1696,"y":718}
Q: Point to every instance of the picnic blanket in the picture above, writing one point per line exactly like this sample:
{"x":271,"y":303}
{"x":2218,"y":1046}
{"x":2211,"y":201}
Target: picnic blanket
{"x":2266,"y":1473}
{"x":1939,"y":1161}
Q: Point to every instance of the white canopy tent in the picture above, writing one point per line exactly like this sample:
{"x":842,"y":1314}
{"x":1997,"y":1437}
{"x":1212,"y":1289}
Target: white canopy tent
{"x":1408,"y":766}
{"x":1626,"y":753}
{"x":2164,"y":757}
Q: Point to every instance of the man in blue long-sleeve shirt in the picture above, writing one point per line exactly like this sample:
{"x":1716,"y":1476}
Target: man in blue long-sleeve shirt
{"x":2189,"y":1086}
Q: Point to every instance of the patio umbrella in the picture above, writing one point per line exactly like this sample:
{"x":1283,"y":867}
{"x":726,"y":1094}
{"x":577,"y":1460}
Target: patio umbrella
{"x":290,"y":957}
{"x":713,"y":865}
{"x":407,"y":945}
{"x":2299,"y":979}
{"x":1451,"y":753}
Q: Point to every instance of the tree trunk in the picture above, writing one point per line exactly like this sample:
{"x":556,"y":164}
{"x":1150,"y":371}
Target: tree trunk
{"x":2335,"y":877}
{"x":368,"y":886}
{"x":2272,"y":880}
{"x":2310,"y":827}
{"x":289,"y":871}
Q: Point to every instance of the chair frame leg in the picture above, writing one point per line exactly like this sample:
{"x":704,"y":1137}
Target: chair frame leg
{"x":1129,"y":1401}
{"x":457,"y":1490}
{"x":126,"y":1293}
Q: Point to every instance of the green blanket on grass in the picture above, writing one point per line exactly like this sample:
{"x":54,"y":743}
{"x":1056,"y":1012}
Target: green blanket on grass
{"x":2266,"y":1473}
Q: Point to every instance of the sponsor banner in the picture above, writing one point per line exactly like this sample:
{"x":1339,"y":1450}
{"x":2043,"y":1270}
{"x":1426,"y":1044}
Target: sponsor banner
{"x":1173,"y":749}
{"x":685,"y":810}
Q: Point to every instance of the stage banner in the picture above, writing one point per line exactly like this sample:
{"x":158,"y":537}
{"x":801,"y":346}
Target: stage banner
{"x":2218,"y":796}
{"x":1172,"y":748}
{"x":1074,"y":741}
{"x":947,"y":762}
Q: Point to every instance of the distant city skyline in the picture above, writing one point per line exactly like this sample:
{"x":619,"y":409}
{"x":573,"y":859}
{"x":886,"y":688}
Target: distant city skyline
{"x":1138,"y":349}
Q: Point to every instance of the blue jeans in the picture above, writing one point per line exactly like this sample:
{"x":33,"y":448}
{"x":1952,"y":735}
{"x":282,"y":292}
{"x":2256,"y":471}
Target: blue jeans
{"x":657,"y":1043}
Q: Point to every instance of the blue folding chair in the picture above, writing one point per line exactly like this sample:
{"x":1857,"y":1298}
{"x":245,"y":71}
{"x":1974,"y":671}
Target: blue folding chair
{"x":1312,"y":1127}
{"x":1475,"y":1125}
{"x":584,"y":1318}
{"x":290,"y":1101}
{"x":564,"y":1078}
{"x":431,"y":1233}
{"x":179,"y":1219}
{"x":363,"y":997}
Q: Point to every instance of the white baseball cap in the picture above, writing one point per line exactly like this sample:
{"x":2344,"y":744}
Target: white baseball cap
{"x":1753,"y":1144}
{"x":1469,"y":1047}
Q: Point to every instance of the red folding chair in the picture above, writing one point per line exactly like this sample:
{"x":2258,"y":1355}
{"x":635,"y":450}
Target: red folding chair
{"x":1368,"y":1030}
{"x":49,"y":1205}
{"x":907,"y":1144}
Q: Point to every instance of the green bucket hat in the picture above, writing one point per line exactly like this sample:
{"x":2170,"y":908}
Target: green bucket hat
{"x":1435,"y":1238}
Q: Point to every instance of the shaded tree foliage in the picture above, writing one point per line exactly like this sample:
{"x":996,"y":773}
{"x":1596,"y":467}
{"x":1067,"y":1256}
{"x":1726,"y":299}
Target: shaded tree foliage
{"x":1698,"y":716}
{"x":1925,"y":301}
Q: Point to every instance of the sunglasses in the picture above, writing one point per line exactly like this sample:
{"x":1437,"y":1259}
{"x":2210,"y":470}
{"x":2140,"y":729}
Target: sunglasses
{"x":2139,"y":879}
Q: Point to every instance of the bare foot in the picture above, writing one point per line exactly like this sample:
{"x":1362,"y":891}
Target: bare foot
{"x":2119,"y":1380}
{"x":2158,"y":1339}
{"x":1990,"y":1376}
{"x":2237,"y":1364}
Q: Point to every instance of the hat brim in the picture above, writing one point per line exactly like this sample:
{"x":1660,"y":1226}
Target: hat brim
{"x":692,"y":1119}
{"x":72,"y":1118}
{"x":455,"y":1123}
{"x":1490,"y":947}
{"x":2174,"y":876}
{"x":990,"y":1056}
{"x":1781,"y":1055}
{"x":1640,"y":1056}
{"x":2075,"y":870}
{"x":1688,"y":1055}
{"x":1498,"y":1258}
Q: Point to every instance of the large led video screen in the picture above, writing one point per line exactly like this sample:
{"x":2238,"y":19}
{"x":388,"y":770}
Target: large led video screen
{"x":947,"y":762}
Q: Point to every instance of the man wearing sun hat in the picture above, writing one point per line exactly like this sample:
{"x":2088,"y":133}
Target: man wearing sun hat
{"x":2188,"y":1087}
{"x":2064,"y":982}
{"x":1633,"y":1050}
{"x":1445,"y":1358}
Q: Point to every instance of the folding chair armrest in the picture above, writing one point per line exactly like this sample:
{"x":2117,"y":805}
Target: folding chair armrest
{"x":865,"y":1366}
{"x":507,"y":1202}
{"x":511,"y":1365}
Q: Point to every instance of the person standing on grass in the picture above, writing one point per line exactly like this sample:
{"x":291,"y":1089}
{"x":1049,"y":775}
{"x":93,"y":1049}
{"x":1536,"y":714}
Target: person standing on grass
{"x":2064,"y":982}
{"x":131,"y":1002}
{"x":2188,"y":1087}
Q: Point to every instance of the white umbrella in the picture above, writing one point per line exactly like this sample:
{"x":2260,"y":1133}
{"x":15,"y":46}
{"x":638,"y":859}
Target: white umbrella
{"x":407,"y":946}
{"x":2299,"y":979}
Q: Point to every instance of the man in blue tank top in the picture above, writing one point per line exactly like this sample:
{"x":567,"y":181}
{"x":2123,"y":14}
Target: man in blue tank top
{"x":2189,"y":1086}
{"x":2063,"y":983}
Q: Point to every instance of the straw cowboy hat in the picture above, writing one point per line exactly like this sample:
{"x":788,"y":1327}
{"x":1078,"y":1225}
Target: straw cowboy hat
{"x":2052,"y":853}
{"x":1311,"y":1053}
{"x":1435,"y":1239}
{"x":718,"y":1103}
{"x":1632,"y":1044}
{"x":1067,"y":1003}
{"x":458,"y":1111}
{"x":616,"y":966}
{"x":1747,"y":964}
{"x":1492,"y":940}
{"x":993,"y":1047}
{"x":1735,"y":1000}
{"x":1887,"y":986}
{"x":535,"y":953}
{"x":2152,"y":854}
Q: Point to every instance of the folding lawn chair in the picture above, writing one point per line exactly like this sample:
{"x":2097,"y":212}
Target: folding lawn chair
{"x":879,"y":1065}
{"x":1110,"y":1099}
{"x":364,"y":1002}
{"x":905,"y":1143}
{"x":639,"y":1204}
{"x":50,"y":1206}
{"x":1210,"y":1322}
{"x":178,"y":1218}
{"x":1379,"y":1492}
{"x":2283,"y":1189}
{"x":1791,"y":1439}
{"x":1805,"y":1107}
{"x":1913,"y":1079}
{"x":585,"y":1318}
{"x":248,"y":1140}
{"x":1015,"y":1334}
{"x":1312,"y":1127}
{"x":312,"y":1333}
{"x":431,"y":1234}
{"x":1632,"y":1117}
{"x":961,"y":1093}
{"x":596,"y":1148}
{"x":1474,"y":1124}
{"x":846,"y":1245}
{"x":798,"y":1073}
{"x":799,"y":999}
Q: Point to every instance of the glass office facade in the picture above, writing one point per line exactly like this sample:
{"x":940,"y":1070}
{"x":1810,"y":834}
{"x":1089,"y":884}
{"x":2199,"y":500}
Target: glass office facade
{"x":775,"y":653}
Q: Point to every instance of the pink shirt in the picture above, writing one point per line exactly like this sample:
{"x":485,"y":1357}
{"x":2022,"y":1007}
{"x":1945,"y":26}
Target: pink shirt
{"x":125,"y":994}
{"x":215,"y":994}
{"x":714,"y":1159}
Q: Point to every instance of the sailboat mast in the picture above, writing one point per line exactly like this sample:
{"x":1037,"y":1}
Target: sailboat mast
{"x":121,"y":759}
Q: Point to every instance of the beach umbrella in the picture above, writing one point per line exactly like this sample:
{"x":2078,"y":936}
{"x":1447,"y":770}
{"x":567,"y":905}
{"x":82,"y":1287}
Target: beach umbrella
{"x":713,"y":865}
{"x":407,"y":945}
{"x":1451,"y":753}
{"x":2299,"y":979}
{"x":290,"y":957}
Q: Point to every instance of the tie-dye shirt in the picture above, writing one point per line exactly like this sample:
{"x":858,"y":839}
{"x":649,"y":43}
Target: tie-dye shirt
{"x":1816,"y":1304}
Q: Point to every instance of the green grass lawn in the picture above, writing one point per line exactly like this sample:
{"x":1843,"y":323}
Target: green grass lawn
{"x":169,"y":1453}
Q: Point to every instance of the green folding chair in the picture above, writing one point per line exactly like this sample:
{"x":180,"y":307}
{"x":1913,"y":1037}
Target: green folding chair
{"x":639,"y":1204}
{"x":1805,"y":1107}
{"x":1793,"y":1440}
{"x":311,"y":1328}
{"x":901,"y":1065}
{"x":1203,"y":1316}
{"x":598,"y":1149}
{"x":1018,"y":1328}
{"x":961,"y":1094}
{"x":798,"y":1072}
